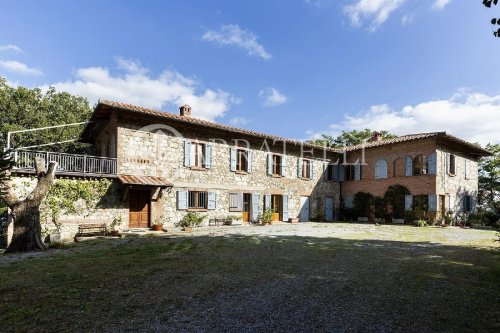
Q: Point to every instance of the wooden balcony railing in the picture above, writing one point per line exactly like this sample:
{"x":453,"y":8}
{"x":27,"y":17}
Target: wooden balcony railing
{"x":66,"y":163}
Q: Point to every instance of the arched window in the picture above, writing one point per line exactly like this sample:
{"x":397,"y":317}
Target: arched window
{"x":381,"y":169}
{"x":419,"y":165}
{"x":396,"y":168}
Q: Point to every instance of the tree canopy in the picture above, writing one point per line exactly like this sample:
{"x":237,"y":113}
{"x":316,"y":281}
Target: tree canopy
{"x":489,"y":183}
{"x":494,"y":21}
{"x":348,"y":138}
{"x":24,"y":108}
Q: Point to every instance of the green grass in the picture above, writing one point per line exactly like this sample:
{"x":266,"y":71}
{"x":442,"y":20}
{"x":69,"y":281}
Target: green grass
{"x":390,"y":278}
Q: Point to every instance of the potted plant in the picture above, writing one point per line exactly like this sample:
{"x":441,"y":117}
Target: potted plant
{"x":115,"y":225}
{"x":157,"y":224}
{"x":267,"y":216}
{"x":234,"y":219}
{"x":191,"y":220}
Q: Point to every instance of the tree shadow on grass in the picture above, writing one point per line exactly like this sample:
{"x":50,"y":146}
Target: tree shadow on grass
{"x":256,"y":283}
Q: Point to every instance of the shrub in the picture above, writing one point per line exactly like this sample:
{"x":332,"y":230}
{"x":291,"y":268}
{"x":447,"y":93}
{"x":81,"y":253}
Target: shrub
{"x":395,"y":197}
{"x":267,"y":216}
{"x":422,"y":223}
{"x":349,"y":214}
{"x":381,"y":208}
{"x":363,"y":202}
{"x":191,"y":219}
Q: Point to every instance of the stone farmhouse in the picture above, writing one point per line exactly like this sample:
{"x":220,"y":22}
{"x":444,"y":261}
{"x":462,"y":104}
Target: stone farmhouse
{"x":164,"y":165}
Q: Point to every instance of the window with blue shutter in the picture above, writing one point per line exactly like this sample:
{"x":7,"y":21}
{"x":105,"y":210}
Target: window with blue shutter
{"x":233,"y":159}
{"x":208,"y":156}
{"x":311,"y":174}
{"x":182,"y":200}
{"x":325,"y":171}
{"x":348,"y":202}
{"x":285,"y":208}
{"x":299,"y":168}
{"x":255,"y":206}
{"x":187,"y":153}
{"x":267,"y":202}
{"x":250,"y":161}
{"x":212,"y":200}
{"x":467,"y":168}
{"x":408,"y":202}
{"x":432,"y":203}
{"x":357,"y":172}
{"x":336,"y":172}
{"x":381,"y":169}
{"x":269,"y":164}
{"x":283,"y":165}
{"x":409,"y":166}
{"x":341,"y":173}
{"x":431,"y":164}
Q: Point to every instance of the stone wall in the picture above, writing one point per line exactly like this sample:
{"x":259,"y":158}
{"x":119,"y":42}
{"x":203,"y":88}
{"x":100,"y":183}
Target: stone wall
{"x":158,"y":153}
{"x":108,"y":207}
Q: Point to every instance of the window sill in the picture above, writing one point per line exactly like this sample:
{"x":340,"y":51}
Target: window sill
{"x":308,"y":179}
{"x":277,"y":176}
{"x":241,"y":172}
{"x":197,"y":209}
{"x":198,"y":169}
{"x":235,"y":210}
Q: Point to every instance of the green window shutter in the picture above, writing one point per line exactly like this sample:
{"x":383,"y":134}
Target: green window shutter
{"x":285,"y":208}
{"x":269,"y":164}
{"x":208,"y":156}
{"x":299,"y":168}
{"x":182,"y":200}
{"x":187,"y":153}
{"x":212,"y":200}
{"x":408,"y":202}
{"x":233,"y":159}
{"x":255,"y":207}
{"x":431,"y":164}
{"x":250,"y":161}
{"x":432,"y":203}
{"x":409,"y":166}
{"x":283,"y":165}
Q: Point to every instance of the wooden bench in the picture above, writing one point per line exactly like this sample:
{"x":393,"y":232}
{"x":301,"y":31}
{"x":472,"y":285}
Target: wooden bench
{"x":218,"y":222}
{"x":92,"y":229}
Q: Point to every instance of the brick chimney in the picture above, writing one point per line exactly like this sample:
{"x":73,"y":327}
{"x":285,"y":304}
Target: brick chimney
{"x":185,"y":111}
{"x":376,"y":136}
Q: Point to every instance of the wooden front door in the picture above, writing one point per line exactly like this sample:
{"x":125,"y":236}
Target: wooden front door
{"x":442,"y":205}
{"x":247,"y":205}
{"x":276,"y":205}
{"x":139,"y":208}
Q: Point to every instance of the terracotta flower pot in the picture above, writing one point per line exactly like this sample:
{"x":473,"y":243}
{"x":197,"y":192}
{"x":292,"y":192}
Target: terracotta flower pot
{"x":115,"y":233}
{"x":157,"y":227}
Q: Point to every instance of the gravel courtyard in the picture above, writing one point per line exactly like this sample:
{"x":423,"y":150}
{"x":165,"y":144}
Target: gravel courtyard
{"x":320,"y":277}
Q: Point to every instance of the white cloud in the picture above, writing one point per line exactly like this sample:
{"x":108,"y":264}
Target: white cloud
{"x":19,"y":68}
{"x":232,"y":34}
{"x":272,"y":97}
{"x":376,"y":12}
{"x":469,"y":115}
{"x":10,"y":47}
{"x":440,"y":4}
{"x":134,"y":85}
{"x":407,"y":19}
{"x":237,"y":121}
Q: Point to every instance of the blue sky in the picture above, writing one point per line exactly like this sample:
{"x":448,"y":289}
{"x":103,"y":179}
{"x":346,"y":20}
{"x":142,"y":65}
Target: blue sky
{"x":294,"y":68}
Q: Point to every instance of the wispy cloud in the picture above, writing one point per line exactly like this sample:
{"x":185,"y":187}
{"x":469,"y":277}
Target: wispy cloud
{"x":232,"y":34}
{"x":238,"y":121}
{"x":469,"y":115}
{"x":10,"y":47}
{"x":440,"y":4}
{"x":133,"y":84}
{"x":407,"y":19}
{"x":272,"y":97}
{"x":19,"y":68}
{"x":371,"y":13}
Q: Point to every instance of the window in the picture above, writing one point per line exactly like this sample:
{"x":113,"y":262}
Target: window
{"x":348,"y":202}
{"x":419,"y":165}
{"x":277,"y":163}
{"x":241,"y":160}
{"x":381,"y":169}
{"x":306,"y":169}
{"x":452,"y":164}
{"x":198,"y":154}
{"x":467,"y":203}
{"x":420,"y":202}
{"x":349,"y":172}
{"x":329,"y":173}
{"x":235,"y":202}
{"x":197,"y":200}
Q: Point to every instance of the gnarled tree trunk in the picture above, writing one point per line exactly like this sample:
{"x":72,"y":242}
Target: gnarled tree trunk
{"x":26,"y":213}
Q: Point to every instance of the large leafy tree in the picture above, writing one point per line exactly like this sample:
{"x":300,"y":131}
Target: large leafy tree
{"x":489,"y":183}
{"x":23,"y":108}
{"x":348,"y":138}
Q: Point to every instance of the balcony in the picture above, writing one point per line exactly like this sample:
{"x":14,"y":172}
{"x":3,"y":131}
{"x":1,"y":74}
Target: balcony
{"x":67,"y":164}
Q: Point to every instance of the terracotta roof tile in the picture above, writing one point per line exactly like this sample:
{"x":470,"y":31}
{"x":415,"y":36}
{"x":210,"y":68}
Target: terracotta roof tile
{"x":144,"y":181}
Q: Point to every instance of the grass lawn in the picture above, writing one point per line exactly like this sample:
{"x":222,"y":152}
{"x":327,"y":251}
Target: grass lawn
{"x":309,"y":277}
